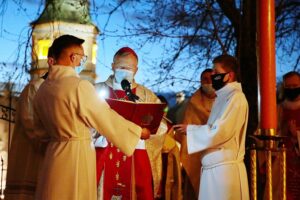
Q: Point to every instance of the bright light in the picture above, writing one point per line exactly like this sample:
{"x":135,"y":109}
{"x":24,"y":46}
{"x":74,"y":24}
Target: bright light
{"x":43,"y":46}
{"x":103,"y":94}
{"x":94,"y":53}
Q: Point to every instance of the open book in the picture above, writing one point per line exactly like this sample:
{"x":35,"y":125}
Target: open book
{"x":146,"y":115}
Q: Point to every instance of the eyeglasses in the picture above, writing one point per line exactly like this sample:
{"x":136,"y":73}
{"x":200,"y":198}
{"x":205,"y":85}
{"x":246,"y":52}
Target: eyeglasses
{"x":83,"y":59}
{"x":125,"y":67}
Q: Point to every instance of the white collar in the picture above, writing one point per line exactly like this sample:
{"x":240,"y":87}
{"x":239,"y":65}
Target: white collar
{"x":228,"y":88}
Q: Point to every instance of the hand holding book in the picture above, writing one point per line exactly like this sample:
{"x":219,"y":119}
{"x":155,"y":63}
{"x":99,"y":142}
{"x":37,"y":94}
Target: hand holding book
{"x":145,"y":134}
{"x":146,"y":115}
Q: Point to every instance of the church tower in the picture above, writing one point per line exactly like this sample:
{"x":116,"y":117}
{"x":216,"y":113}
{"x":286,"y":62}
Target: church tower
{"x":62,"y":17}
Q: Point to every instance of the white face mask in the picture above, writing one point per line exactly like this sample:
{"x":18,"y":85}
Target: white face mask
{"x":208,"y":89}
{"x":121,"y":74}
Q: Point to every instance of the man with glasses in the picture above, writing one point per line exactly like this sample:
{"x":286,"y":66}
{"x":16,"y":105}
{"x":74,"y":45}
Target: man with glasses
{"x":138,"y":175}
{"x":222,"y":140}
{"x":66,"y":107}
{"x":83,"y":60}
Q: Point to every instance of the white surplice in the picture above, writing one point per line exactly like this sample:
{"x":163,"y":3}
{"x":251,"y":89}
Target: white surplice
{"x":222,"y":142}
{"x":66,"y":107}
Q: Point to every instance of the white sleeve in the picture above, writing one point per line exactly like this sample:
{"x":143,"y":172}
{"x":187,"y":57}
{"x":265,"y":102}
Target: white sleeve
{"x":201,"y":137}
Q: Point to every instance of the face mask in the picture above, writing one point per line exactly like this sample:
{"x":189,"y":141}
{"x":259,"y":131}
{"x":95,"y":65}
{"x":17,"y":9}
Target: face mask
{"x":180,"y":99}
{"x":217,"y":80}
{"x":78,"y":69}
{"x":291,"y":93}
{"x":121,"y":74}
{"x":208,"y":88}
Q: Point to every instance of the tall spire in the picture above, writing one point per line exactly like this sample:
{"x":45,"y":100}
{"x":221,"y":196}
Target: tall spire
{"x":73,"y":11}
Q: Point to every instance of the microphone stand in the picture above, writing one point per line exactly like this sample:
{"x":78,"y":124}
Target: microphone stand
{"x":126,"y":87}
{"x":132,"y":97}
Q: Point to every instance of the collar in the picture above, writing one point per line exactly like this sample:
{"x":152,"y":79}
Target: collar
{"x":229,"y":88}
{"x":61,"y":71}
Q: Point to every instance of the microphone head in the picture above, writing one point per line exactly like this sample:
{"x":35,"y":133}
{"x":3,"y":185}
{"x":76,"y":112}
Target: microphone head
{"x":125,"y":84}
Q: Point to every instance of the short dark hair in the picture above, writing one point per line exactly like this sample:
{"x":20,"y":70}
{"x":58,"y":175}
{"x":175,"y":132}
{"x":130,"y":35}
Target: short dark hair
{"x":124,"y":51}
{"x":50,"y":52}
{"x":207,"y":70}
{"x":162,"y":99}
{"x":229,"y":63}
{"x":63,"y":42}
{"x":290,"y":74}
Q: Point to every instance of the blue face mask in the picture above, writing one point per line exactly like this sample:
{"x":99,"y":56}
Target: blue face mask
{"x":121,"y":74}
{"x":81,"y":67}
{"x":78,"y":69}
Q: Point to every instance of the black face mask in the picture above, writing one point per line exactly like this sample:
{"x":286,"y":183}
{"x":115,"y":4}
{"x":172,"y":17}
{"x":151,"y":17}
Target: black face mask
{"x":217,"y":80}
{"x":291,"y":93}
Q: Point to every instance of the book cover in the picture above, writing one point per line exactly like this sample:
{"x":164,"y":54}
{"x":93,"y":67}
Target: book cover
{"x":146,"y":115}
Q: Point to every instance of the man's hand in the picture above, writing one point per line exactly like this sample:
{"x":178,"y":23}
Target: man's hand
{"x":180,"y":128}
{"x":145,"y":134}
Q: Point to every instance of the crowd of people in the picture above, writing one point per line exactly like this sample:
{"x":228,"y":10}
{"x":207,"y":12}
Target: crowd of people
{"x":68,"y":143}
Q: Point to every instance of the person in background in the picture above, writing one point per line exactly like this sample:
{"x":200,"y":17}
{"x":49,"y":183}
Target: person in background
{"x":176,"y":113}
{"x":137,"y":176}
{"x":164,"y":100}
{"x":25,"y":151}
{"x":65,"y":108}
{"x":171,"y":173}
{"x":197,"y":112}
{"x":289,"y":125}
{"x":221,"y":140}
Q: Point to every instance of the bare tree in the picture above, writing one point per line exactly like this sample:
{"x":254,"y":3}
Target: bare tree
{"x":192,"y":32}
{"x":16,"y":70}
{"x":186,"y":35}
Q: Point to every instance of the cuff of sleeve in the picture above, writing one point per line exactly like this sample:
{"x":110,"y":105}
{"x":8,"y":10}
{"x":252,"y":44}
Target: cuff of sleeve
{"x":133,"y":141}
{"x":101,"y":142}
{"x":190,"y":139}
{"x":195,"y":140}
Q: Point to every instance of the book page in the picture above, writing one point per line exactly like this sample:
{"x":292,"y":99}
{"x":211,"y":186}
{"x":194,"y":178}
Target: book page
{"x":146,"y":115}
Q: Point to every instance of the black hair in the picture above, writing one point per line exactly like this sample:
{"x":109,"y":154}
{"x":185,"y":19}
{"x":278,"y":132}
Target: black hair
{"x":50,"y":52}
{"x":290,"y":74}
{"x":63,"y":42}
{"x":229,"y":63}
{"x":162,"y":99}
{"x":206,"y":71}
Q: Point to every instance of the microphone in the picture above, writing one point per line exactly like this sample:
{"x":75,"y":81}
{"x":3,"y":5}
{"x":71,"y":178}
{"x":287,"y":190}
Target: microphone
{"x":127,"y":88}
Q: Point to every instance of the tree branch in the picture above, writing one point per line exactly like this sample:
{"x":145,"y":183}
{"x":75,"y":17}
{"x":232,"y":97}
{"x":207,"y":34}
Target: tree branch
{"x":231,"y":12}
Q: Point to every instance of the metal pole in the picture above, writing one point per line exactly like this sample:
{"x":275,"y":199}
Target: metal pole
{"x":283,"y":171}
{"x":269,"y":175}
{"x":253,"y":173}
